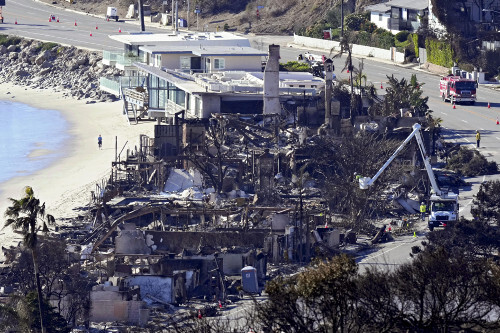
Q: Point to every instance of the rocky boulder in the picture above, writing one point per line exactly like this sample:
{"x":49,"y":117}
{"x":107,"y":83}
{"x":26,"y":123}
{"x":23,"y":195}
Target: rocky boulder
{"x":22,"y":73}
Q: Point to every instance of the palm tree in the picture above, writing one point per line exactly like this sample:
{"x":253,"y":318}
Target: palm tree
{"x":26,"y":214}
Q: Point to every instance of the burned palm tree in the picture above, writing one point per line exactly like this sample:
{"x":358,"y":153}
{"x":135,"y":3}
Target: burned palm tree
{"x":346,"y":48}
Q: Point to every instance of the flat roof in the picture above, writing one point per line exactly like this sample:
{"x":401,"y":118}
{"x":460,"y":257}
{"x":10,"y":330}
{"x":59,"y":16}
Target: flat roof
{"x":409,"y":4}
{"x":152,"y":39}
{"x":202,"y":50}
{"x":228,"y":51}
{"x":380,"y":7}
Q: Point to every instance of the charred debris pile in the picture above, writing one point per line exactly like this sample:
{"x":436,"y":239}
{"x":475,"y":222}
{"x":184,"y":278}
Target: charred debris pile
{"x":205,"y":212}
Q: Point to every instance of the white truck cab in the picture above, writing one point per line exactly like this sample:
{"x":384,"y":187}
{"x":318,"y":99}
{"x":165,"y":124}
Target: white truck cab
{"x":112,"y":14}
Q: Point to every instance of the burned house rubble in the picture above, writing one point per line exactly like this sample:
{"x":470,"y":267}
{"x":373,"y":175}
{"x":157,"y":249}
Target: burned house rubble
{"x":183,"y":216}
{"x":207,"y":210}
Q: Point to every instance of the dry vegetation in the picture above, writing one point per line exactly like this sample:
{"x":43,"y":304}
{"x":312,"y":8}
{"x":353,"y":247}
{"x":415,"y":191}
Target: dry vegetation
{"x":277,"y":16}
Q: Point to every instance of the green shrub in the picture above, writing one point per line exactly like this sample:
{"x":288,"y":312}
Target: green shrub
{"x":414,"y":38}
{"x":384,"y":40}
{"x":48,"y":46}
{"x":402,"y":36}
{"x":295,"y":66}
{"x":336,"y":34}
{"x":439,"y":53}
{"x":364,"y":38}
{"x":404,"y":44}
{"x":8,"y":40}
{"x":368,"y":26}
{"x":226,"y":27}
{"x":353,"y":21}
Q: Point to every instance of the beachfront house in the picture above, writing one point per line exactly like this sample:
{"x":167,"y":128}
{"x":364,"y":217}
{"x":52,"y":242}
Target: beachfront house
{"x":398,"y":15}
{"x":197,"y":75}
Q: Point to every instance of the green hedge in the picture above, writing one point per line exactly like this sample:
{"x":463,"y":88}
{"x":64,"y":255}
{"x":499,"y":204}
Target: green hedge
{"x":415,"y":44}
{"x":295,"y":66}
{"x":439,"y":53}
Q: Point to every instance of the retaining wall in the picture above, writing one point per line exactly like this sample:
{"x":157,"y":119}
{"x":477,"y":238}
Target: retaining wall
{"x":362,"y":50}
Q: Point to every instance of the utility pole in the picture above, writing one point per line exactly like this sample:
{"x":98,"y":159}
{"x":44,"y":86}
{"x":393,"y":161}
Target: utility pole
{"x":176,"y":15}
{"x":187,"y":15}
{"x":341,"y":19}
{"x":141,"y":15}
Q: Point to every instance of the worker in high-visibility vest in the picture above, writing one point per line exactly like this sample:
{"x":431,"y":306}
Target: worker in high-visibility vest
{"x":423,"y":210}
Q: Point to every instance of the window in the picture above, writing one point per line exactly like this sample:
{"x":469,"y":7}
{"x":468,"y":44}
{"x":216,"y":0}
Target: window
{"x":185,"y":62}
{"x":219,"y":63}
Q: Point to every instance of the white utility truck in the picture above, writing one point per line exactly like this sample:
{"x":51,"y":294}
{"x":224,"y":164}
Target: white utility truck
{"x":443,"y":205}
{"x":112,"y":14}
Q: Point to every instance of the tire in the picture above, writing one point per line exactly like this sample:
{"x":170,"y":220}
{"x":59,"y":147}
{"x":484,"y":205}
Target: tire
{"x":431,"y":228}
{"x":472,"y":102}
{"x":116,"y":19}
{"x":443,"y":97}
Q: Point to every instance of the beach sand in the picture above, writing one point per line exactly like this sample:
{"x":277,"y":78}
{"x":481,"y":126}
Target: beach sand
{"x":66,"y":183}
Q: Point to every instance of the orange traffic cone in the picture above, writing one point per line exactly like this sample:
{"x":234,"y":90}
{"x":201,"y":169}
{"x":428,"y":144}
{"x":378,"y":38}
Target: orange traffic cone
{"x":347,"y":71}
{"x":454,"y":105}
{"x":120,"y":30}
{"x":498,"y":122}
{"x":390,"y":229}
{"x":199,"y":314}
{"x":91,"y":34}
{"x":58,"y":20}
{"x":381,"y":86}
{"x":75,"y":23}
{"x":96,"y":27}
{"x":15,"y":22}
{"x":107,"y":19}
{"x":50,"y":19}
{"x":488,"y":105}
{"x":220,"y":305}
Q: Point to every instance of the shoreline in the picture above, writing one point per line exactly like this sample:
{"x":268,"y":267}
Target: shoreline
{"x":65,"y":183}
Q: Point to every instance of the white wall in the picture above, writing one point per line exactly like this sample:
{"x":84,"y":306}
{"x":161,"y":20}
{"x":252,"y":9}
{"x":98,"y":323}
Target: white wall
{"x":375,"y":18}
{"x":361,"y":50}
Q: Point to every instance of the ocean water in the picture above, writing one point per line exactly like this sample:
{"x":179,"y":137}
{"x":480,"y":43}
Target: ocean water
{"x":30,"y":139}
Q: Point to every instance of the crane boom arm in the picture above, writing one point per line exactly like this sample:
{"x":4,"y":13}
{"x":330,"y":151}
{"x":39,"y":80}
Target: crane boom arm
{"x":366,"y":182}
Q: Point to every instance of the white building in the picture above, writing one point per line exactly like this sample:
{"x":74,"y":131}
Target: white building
{"x":398,"y":15}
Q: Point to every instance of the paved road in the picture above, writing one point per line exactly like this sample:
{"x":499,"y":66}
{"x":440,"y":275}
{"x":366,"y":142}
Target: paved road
{"x":33,"y":22}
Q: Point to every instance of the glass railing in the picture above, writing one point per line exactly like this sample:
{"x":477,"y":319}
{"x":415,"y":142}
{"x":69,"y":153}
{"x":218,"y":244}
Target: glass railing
{"x":111,"y":55}
{"x":109,"y":84}
{"x":116,"y":83}
{"x":125,"y":60}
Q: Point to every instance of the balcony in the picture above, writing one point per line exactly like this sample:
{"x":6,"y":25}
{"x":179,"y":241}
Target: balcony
{"x":115,"y":84}
{"x":119,"y":59}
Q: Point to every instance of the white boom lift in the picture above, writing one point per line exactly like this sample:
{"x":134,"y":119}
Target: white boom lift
{"x":443,"y":205}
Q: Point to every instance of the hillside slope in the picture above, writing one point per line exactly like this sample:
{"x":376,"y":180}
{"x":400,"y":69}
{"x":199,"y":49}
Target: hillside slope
{"x":277,"y":16}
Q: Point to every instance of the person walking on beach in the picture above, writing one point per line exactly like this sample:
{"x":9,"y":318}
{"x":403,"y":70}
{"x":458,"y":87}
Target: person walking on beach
{"x":478,"y":138}
{"x":99,"y":141}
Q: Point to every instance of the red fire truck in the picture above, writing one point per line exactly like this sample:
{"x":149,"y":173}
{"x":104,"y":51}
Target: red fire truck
{"x":457,"y":89}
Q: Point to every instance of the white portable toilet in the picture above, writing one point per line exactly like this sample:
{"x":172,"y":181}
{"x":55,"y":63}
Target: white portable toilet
{"x":249,"y":280}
